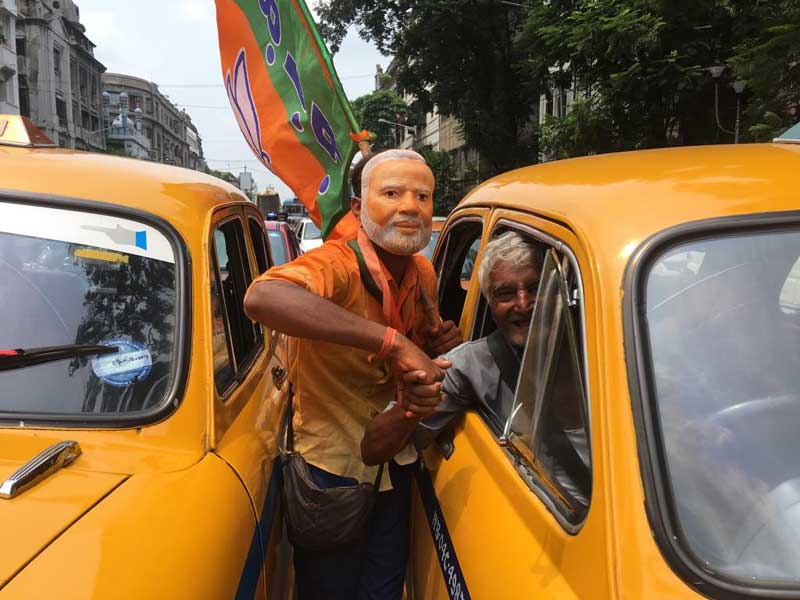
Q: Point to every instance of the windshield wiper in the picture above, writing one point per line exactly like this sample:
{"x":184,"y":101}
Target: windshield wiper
{"x":26,"y":357}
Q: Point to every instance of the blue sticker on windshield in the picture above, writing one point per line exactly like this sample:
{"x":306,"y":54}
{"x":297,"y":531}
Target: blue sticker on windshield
{"x":132,"y":363}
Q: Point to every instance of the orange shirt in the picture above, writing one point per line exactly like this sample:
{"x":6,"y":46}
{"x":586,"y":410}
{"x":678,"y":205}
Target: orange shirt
{"x":336,"y":389}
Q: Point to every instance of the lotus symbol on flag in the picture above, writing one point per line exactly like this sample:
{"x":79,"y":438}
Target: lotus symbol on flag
{"x":290,"y":105}
{"x":244,"y":109}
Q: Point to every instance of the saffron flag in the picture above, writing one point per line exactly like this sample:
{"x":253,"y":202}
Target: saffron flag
{"x":289,"y":104}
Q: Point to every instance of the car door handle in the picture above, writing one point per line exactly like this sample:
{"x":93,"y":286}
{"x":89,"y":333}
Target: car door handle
{"x":278,"y":376}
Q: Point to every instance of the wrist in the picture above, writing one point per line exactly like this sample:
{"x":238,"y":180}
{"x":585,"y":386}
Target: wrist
{"x":395,"y":349}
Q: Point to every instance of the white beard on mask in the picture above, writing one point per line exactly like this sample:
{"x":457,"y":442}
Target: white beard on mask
{"x":390,"y":239}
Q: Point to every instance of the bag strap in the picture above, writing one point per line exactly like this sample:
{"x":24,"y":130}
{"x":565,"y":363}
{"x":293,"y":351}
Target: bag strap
{"x":289,"y":444}
{"x":505,"y":358}
{"x":366,"y":277}
{"x":378,"y":477}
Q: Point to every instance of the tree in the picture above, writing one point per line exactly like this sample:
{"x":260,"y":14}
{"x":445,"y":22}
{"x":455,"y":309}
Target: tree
{"x":642,"y":68}
{"x":446,"y":195}
{"x":769,"y":60}
{"x":381,"y":104}
{"x":459,"y":56}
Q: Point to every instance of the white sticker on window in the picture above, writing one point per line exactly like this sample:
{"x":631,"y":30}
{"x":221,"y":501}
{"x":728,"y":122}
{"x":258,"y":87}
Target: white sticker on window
{"x":86,"y":228}
{"x":132,"y":363}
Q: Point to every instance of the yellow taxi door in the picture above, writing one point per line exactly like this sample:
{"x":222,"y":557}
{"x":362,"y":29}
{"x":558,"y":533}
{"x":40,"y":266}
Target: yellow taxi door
{"x":518,"y":509}
{"x":249,"y":391}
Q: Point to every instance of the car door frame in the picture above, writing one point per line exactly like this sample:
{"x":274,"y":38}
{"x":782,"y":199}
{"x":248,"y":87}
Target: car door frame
{"x":247,"y":421}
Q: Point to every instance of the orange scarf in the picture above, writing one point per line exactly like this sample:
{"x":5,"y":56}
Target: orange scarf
{"x":392,"y":302}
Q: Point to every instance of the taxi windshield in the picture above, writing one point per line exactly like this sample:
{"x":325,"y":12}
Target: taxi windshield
{"x":723,"y":320}
{"x":99,"y":293}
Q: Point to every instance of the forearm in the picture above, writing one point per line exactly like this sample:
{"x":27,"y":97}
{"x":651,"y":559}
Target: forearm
{"x":386,"y":435}
{"x":295,"y":311}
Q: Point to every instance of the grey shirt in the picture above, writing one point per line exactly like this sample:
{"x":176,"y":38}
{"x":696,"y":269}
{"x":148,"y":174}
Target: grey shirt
{"x":474,"y":379}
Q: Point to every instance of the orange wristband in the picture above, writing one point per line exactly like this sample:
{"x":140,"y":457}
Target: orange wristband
{"x":388,"y":340}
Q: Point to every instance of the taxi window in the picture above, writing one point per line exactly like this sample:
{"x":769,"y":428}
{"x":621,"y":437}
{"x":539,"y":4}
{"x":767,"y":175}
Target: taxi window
{"x":233,"y":276}
{"x":259,"y":245}
{"x":455,"y":266}
{"x":75,"y":279}
{"x":549,"y":427}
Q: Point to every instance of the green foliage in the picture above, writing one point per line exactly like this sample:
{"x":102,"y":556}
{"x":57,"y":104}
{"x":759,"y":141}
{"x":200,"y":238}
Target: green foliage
{"x":584,"y":130}
{"x":446,"y":194}
{"x":769,"y":60}
{"x":381,"y":104}
{"x":640,"y":69}
{"x":459,"y":56}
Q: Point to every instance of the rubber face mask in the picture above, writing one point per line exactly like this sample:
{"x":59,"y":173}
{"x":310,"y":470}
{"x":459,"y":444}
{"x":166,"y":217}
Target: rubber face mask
{"x":397,"y":209}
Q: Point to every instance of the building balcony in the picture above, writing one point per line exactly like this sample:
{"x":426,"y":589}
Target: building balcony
{"x":121,"y":134}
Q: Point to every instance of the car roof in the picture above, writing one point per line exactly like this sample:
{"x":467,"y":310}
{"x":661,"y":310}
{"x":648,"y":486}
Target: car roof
{"x":615,"y":201}
{"x":172,"y":193}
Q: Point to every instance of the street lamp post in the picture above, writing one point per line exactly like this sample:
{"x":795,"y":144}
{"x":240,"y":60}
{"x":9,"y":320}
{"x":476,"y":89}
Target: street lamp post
{"x":738,"y":87}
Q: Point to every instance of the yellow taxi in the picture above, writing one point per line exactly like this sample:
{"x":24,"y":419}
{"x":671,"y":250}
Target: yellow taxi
{"x":140,"y":410}
{"x":652,"y":447}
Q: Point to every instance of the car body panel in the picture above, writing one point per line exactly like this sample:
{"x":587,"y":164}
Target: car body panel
{"x":130,"y":544}
{"x":29,"y":527}
{"x":507,"y":542}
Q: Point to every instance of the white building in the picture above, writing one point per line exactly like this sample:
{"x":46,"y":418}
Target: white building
{"x":165,"y":127}
{"x":9,"y":86}
{"x":59,"y":77}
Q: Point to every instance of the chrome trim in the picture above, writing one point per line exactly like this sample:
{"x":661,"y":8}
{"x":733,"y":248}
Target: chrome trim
{"x":40,"y":467}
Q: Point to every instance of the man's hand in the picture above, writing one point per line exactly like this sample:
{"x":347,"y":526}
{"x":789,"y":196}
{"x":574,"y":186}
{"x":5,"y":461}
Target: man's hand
{"x":405,"y":356}
{"x":419,"y":398}
{"x":408,"y":361}
{"x":442,"y":338}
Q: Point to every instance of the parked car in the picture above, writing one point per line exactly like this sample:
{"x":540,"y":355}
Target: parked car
{"x":126,"y":360}
{"x":309,"y":235}
{"x":283,"y":242}
{"x":651,"y":451}
{"x":436,"y":229}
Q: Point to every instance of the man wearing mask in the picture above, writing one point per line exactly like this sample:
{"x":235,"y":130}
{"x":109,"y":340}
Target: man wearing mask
{"x":361,"y":315}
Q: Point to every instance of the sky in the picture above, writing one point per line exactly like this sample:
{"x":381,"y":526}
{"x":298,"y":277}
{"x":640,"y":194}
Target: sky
{"x":174,"y":44}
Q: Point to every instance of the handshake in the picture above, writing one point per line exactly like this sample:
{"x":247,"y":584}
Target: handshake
{"x":419,"y":391}
{"x":419,"y":377}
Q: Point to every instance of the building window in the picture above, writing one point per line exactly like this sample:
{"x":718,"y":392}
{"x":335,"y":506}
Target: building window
{"x":61,"y":111}
{"x":21,"y":46}
{"x":149,"y":106}
{"x":24,"y":98}
{"x":5,"y":29}
{"x":84,"y":82}
{"x":57,"y":63}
